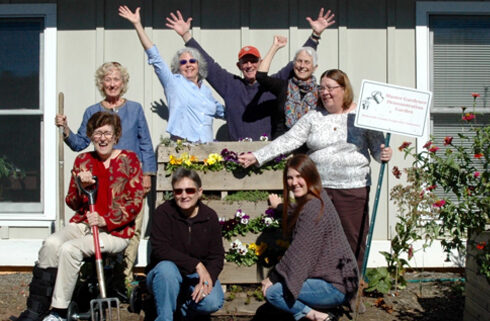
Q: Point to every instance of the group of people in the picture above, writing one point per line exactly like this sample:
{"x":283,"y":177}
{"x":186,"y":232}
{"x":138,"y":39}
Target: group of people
{"x":325,"y":198}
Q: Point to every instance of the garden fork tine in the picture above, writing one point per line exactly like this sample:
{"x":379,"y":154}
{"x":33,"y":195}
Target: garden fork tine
{"x":103,"y":304}
{"x":99,"y":306}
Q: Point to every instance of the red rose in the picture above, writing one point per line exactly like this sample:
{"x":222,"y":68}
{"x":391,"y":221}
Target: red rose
{"x":433,"y":149}
{"x":439,"y":203}
{"x":427,"y":145}
{"x":480,"y":246}
{"x":396,"y":172}
{"x":475,"y":95}
{"x":448,"y":140}
{"x":404,"y":145}
{"x":479,"y":155}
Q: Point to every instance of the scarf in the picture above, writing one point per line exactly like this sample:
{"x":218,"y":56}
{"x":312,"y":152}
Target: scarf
{"x":295,"y":106}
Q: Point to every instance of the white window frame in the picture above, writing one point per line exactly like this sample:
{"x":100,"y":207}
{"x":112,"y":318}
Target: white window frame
{"x":424,"y":9}
{"x":48,"y":107}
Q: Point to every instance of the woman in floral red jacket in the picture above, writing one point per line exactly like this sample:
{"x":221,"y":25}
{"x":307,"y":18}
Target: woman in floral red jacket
{"x":118,"y":202}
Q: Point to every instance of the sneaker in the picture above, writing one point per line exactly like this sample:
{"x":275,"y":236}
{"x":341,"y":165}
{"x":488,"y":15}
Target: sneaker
{"x":53,"y":316}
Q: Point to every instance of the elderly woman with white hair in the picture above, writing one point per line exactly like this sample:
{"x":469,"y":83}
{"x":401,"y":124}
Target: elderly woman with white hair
{"x":295,"y":95}
{"x":191,"y":104}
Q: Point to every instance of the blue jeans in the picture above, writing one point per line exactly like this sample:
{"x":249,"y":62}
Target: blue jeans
{"x":316,"y":293}
{"x":167,"y":285}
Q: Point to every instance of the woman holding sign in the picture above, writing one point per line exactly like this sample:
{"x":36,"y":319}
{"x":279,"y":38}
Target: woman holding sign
{"x":341,"y":152}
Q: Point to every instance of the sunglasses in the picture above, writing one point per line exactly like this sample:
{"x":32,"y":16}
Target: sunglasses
{"x":188,"y":191}
{"x":191,"y":61}
{"x":252,"y":60}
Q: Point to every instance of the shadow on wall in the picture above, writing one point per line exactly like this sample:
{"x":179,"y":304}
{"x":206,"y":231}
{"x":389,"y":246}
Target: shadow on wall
{"x":161,"y":109}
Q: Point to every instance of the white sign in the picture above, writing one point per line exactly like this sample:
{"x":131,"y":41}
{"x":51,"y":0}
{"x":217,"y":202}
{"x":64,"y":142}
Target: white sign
{"x":394,"y":109}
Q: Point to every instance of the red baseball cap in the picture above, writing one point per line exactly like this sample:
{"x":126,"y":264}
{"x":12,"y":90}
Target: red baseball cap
{"x":248,"y":50}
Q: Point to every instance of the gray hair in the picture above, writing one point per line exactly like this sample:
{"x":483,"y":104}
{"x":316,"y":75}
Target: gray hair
{"x":182,"y":172}
{"x":310,"y":51}
{"x":201,"y":63}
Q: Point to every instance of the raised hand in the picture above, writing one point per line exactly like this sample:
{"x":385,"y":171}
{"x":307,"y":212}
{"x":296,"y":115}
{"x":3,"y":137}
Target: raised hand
{"x":280,"y":41}
{"x":178,"y":23}
{"x":322,"y":22}
{"x":133,"y":17}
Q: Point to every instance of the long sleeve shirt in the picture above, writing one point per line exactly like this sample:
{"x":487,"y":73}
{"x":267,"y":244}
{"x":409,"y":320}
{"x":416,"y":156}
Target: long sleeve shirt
{"x":191,"y":107}
{"x":119,"y":194}
{"x":319,"y":249}
{"x":248,"y":106}
{"x":340,"y":150}
{"x":135,"y":133}
{"x":187,"y":241}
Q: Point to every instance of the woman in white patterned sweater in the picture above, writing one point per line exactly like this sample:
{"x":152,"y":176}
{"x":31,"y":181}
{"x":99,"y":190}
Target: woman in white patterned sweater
{"x":340,"y":151}
{"x":318,"y":269}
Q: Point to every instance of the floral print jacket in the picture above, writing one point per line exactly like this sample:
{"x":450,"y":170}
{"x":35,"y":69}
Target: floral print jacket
{"x":119,"y":194}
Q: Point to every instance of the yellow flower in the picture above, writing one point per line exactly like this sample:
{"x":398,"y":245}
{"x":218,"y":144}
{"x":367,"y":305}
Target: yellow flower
{"x":252,"y":246}
{"x":194,"y":159}
{"x":174,"y":160}
{"x":266,"y":260}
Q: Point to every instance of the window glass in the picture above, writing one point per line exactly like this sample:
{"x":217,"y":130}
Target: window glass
{"x":20,"y":146}
{"x":20,"y":62}
{"x":461,"y":60}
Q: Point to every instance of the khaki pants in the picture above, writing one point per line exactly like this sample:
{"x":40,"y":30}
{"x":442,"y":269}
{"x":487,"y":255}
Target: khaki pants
{"x":65,"y":250}
{"x":131,"y":252}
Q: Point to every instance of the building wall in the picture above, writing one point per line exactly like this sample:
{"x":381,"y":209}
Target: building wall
{"x":371,"y":39}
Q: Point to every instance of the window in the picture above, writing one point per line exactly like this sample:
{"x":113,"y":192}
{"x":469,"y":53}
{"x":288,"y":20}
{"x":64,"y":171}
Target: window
{"x":27,"y":88}
{"x":453,"y":60}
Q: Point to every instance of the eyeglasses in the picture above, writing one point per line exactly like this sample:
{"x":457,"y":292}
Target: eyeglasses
{"x":107,"y":135}
{"x":328,"y":88}
{"x":191,"y":61}
{"x":188,"y":191}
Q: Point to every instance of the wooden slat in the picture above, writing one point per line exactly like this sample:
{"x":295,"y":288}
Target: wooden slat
{"x":223,"y":180}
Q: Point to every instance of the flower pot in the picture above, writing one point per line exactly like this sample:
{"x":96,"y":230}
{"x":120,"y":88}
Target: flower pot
{"x":477,"y":288}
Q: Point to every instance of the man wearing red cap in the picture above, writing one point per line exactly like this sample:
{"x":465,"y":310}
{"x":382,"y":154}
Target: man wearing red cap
{"x":248,"y":105}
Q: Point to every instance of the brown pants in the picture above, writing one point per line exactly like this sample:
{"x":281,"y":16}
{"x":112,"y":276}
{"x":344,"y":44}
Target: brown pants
{"x":353,"y":208}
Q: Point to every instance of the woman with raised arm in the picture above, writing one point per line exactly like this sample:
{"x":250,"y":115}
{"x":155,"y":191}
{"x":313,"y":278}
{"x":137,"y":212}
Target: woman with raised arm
{"x":318,"y":269}
{"x":341,"y":152}
{"x":191,"y":104}
{"x":295,"y":95}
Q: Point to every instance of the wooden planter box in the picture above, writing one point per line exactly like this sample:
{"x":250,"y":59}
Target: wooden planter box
{"x":477,"y":288}
{"x":225,"y":182}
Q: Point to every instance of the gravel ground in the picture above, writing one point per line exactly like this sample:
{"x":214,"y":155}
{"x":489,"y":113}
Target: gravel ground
{"x":427,"y":301}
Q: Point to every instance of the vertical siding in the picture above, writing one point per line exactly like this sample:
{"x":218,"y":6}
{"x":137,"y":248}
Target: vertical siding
{"x":372,"y":39}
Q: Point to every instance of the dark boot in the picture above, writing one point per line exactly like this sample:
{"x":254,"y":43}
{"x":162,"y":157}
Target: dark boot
{"x":40,"y":292}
